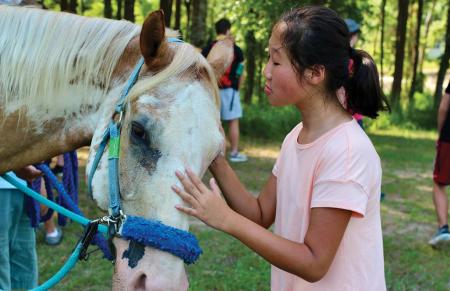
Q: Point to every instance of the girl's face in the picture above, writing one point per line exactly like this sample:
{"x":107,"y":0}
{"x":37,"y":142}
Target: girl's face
{"x":282,"y":82}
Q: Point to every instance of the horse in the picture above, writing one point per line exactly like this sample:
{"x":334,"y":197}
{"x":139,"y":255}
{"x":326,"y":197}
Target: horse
{"x":60,"y":78}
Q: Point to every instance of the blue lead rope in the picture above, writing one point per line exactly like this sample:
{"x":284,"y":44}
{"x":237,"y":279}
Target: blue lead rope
{"x":75,"y":217}
{"x":70,"y":263}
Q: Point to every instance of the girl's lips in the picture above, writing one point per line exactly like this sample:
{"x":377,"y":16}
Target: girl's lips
{"x":267,"y":90}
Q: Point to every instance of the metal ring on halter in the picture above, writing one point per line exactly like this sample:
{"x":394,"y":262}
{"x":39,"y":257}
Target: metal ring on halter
{"x":120,"y":117}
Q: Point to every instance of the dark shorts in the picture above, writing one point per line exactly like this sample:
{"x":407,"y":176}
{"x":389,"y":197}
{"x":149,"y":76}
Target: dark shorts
{"x":441,"y":173}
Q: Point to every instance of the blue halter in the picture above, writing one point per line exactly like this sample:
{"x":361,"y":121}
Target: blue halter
{"x":150,"y":233}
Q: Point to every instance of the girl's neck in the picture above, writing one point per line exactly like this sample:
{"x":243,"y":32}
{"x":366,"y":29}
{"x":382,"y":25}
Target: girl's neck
{"x":319,"y":118}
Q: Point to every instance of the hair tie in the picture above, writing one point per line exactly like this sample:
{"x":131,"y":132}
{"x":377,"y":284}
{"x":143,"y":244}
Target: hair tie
{"x":350,"y":67}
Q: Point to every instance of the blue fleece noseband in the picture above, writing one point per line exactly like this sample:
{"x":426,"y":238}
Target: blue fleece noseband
{"x":154,"y":234}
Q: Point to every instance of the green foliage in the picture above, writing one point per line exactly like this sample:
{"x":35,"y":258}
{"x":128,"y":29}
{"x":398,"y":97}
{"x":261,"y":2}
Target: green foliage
{"x":421,"y":114}
{"x":268,"y":122}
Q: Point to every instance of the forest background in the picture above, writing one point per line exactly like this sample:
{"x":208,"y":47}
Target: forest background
{"x":409,"y":40}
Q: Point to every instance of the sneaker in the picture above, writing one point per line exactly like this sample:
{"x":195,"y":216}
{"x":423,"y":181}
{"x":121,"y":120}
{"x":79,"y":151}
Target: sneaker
{"x":54,"y":239}
{"x":238,"y":157}
{"x":440,"y":238}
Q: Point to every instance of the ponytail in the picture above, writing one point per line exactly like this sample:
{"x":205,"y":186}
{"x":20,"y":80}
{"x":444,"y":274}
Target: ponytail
{"x":364,"y":94}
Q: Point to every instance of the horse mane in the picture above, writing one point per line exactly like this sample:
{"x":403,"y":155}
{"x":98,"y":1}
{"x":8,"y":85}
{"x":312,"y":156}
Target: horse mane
{"x":186,"y":58}
{"x":42,"y":53}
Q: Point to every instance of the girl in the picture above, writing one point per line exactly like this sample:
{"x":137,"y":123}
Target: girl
{"x":324,"y":190}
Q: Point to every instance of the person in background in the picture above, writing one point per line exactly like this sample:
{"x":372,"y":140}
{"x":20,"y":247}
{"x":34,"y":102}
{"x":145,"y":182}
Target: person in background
{"x":324,"y":190}
{"x":230,"y":107}
{"x":18,"y":258}
{"x":53,"y":233}
{"x":441,"y":173}
{"x":355,"y":31}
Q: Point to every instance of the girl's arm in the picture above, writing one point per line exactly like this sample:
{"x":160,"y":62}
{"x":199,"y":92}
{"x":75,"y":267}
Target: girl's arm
{"x":260,"y":210}
{"x":309,"y":260}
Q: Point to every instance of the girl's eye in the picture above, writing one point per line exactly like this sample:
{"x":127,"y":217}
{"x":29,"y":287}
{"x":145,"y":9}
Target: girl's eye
{"x":138,"y":130}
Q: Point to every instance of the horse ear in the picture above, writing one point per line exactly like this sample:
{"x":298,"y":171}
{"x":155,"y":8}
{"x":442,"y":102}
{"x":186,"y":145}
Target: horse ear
{"x":152,"y":36}
{"x":221,"y":56}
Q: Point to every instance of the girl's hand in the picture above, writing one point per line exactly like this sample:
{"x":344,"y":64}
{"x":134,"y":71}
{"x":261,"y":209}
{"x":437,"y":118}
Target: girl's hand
{"x":28,"y":173}
{"x":207,"y":205}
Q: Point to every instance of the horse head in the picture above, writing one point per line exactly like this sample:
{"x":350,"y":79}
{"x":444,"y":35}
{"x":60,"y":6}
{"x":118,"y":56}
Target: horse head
{"x":170,"y":122}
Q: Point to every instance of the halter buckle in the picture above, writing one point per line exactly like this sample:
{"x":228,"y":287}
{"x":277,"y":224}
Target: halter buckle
{"x":114,"y":119}
{"x":114,"y":223}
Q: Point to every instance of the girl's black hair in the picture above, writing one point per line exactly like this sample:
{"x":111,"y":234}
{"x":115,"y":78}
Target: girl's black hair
{"x":316,"y":35}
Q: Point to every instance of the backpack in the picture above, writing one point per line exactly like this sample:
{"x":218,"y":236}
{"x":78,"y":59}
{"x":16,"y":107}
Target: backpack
{"x":229,"y":78}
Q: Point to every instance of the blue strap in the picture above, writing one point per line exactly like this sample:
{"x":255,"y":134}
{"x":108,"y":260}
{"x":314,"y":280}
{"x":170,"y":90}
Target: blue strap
{"x":98,"y":156}
{"x":113,"y":169}
{"x":174,"y":39}
{"x":131,"y":81}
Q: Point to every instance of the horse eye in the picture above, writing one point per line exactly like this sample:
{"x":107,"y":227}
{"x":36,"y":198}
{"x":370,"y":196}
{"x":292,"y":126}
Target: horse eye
{"x":137,"y":130}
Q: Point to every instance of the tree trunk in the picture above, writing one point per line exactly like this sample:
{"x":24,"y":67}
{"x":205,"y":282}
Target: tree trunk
{"x":428,"y":19}
{"x":399,"y":51}
{"x":107,"y":12}
{"x":73,"y":6}
{"x":187,"y":4}
{"x":444,"y":63}
{"x":416,"y":51}
{"x":250,"y":64}
{"x":64,"y":5}
{"x":119,"y":9}
{"x":128,"y":12}
{"x":177,"y":15}
{"x":198,"y":26}
{"x":166,"y":6}
{"x":383,"y":13}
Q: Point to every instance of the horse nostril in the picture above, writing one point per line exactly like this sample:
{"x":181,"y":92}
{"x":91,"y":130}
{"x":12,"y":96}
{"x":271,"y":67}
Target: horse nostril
{"x":140,"y":283}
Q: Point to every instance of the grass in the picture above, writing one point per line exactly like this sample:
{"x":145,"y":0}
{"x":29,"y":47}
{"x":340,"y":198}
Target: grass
{"x":407,"y":215}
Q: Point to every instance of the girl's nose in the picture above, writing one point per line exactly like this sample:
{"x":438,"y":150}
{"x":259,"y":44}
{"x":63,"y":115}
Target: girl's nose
{"x":266,"y":72}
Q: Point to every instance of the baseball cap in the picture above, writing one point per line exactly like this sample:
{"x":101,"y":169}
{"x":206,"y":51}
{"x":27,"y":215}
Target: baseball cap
{"x":353,"y":26}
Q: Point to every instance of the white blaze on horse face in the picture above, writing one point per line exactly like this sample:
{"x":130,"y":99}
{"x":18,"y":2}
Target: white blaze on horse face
{"x":181,"y":123}
{"x":182,"y":126}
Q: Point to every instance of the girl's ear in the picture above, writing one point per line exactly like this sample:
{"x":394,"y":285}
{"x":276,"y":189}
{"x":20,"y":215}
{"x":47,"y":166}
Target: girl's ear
{"x":315,"y":75}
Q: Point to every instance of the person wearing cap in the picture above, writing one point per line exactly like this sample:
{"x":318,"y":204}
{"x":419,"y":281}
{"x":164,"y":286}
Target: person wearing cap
{"x":354,"y":29}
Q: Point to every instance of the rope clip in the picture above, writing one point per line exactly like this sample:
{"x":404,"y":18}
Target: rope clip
{"x":87,"y":238}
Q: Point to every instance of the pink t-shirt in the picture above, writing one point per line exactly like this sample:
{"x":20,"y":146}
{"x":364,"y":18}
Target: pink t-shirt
{"x":341,"y":169}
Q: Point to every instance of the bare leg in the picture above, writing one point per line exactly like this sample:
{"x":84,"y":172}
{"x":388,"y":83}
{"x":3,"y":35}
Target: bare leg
{"x":49,"y":225}
{"x":60,"y":160}
{"x":233,"y":133}
{"x":440,"y":200}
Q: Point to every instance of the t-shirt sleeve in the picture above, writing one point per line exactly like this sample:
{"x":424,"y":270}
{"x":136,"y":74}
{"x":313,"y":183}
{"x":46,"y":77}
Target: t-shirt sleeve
{"x":344,"y":176}
{"x":275,"y":168}
{"x":346,"y":195}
